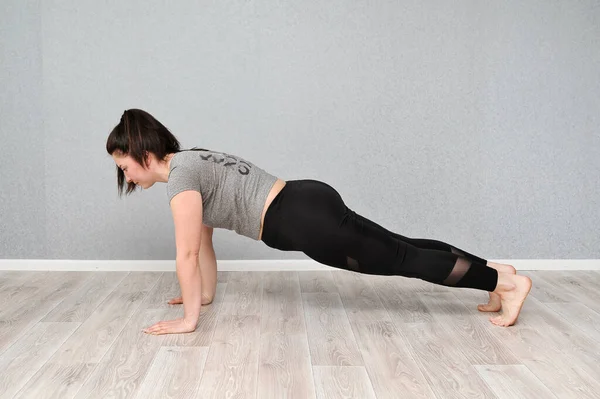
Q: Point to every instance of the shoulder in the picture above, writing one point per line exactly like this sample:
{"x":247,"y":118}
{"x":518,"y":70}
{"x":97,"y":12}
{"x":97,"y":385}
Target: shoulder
{"x":182,"y":178}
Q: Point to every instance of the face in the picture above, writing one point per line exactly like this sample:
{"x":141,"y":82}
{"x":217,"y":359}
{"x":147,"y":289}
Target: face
{"x":134,"y":172}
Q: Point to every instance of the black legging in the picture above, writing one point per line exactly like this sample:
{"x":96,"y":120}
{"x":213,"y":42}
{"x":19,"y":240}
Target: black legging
{"x":310,"y":216}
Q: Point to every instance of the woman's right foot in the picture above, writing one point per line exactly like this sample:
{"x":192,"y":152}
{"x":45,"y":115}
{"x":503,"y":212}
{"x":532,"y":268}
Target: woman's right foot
{"x":513,"y":290}
{"x":495,"y":303}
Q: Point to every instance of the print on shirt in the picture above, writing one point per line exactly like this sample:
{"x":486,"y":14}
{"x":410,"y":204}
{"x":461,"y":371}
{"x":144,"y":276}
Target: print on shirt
{"x":242,"y":167}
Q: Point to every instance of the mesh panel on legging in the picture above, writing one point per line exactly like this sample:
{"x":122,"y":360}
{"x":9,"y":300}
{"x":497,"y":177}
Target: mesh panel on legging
{"x":461,"y":267}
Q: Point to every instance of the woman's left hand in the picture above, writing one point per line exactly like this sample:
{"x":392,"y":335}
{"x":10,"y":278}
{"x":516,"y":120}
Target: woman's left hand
{"x":171,"y":327}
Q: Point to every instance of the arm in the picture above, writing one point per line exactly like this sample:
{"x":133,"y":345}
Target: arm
{"x":187,"y":216}
{"x":208,"y":266}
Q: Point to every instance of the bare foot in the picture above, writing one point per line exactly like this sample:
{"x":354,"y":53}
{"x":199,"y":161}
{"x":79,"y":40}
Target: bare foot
{"x":494,"y":304}
{"x":512,"y":290}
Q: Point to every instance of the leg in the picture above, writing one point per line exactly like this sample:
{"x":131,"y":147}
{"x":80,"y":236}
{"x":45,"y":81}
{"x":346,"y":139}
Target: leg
{"x":350,"y":241}
{"x":310,"y":216}
{"x":423,"y":243}
{"x":494,"y":304}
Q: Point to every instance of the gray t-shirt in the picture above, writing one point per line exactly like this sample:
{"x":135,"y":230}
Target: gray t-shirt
{"x":233,"y":190}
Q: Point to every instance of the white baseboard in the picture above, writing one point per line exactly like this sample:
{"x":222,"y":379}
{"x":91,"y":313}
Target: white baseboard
{"x":254,"y":265}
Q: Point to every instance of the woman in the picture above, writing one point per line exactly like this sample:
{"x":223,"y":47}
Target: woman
{"x":208,"y":189}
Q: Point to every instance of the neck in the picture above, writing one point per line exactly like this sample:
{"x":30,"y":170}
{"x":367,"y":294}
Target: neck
{"x":165,"y":167}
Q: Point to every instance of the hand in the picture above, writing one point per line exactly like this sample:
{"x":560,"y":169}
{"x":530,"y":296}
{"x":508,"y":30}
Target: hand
{"x":171,"y":327}
{"x":176,"y":301}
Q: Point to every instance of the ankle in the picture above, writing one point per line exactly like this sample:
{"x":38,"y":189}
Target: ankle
{"x":506,"y":282}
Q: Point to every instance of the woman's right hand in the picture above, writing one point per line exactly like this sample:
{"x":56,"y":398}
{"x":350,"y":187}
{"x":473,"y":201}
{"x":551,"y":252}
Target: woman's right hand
{"x":176,"y":301}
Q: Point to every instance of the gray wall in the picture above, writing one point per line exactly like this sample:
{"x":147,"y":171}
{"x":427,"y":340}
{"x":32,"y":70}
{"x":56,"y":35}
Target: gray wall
{"x":471,"y":122}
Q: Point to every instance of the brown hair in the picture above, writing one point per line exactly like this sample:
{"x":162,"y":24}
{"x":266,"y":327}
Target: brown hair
{"x":137,"y":134}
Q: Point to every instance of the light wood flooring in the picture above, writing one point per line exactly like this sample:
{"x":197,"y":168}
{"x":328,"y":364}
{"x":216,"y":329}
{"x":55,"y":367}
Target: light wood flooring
{"x":324,"y":334}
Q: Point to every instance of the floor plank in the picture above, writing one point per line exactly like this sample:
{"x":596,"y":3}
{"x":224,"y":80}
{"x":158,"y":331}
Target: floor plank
{"x":231,"y":368}
{"x":359,"y":298}
{"x":343,"y":382}
{"x":401,"y":298}
{"x":317,"y":281}
{"x":23,"y":313}
{"x":528,"y":340}
{"x":30,"y":353}
{"x":292,"y":334}
{"x":330,"y":336}
{"x":443,"y":363}
{"x":514,"y":382}
{"x":392,"y":369}
{"x":175,"y":373}
{"x":467,"y":330}
{"x":74,"y":362}
{"x":81,"y":303}
{"x":580,"y":316}
{"x":120,"y":372}
{"x":285,"y":369}
{"x":243,"y":296}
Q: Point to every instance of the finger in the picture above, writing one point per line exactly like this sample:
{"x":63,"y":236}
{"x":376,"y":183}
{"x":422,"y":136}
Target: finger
{"x":153,"y":328}
{"x":161,"y":330}
{"x":160,"y":327}
{"x":166,"y":327}
{"x":154,"y":331}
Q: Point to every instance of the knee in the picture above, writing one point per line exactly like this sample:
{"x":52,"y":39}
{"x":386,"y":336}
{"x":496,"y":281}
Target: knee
{"x":389,"y":259}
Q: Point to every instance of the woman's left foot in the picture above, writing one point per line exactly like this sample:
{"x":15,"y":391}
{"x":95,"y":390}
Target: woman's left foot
{"x":494,"y":305}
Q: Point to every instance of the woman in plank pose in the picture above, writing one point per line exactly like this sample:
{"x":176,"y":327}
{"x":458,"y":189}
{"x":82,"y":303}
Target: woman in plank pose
{"x":208,"y":189}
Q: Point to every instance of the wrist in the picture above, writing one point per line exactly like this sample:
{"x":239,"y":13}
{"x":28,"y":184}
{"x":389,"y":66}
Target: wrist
{"x":190,"y":321}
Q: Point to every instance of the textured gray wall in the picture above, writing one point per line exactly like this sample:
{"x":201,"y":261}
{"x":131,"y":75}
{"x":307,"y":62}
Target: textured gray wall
{"x":471,"y":122}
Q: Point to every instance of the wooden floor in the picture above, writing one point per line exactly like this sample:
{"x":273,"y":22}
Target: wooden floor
{"x":325,"y":334}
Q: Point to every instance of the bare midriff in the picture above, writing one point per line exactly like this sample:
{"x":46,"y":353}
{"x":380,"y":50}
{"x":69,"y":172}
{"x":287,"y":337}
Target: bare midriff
{"x":277,"y":187}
